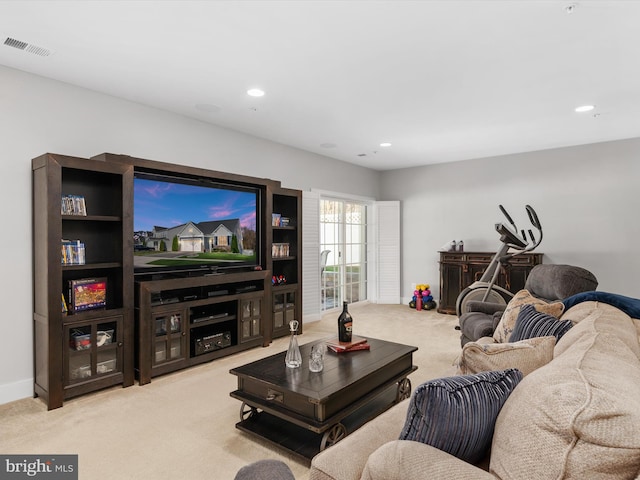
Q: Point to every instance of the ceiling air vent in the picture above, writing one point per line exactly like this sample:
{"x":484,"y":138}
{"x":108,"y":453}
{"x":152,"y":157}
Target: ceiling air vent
{"x":27,"y":47}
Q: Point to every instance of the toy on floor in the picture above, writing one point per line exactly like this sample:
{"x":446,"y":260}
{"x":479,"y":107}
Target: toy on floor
{"x":422,"y":298}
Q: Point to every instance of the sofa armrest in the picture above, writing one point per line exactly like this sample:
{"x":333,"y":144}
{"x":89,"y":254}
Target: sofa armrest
{"x":407,"y":460}
{"x":485,"y":307}
{"x":346,"y":459}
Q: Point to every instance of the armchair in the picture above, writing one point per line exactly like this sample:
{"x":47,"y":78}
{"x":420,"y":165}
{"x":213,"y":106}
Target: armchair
{"x":546,"y":282}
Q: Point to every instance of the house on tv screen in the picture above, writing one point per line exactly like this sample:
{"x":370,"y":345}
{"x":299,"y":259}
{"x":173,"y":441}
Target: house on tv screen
{"x":209,"y":236}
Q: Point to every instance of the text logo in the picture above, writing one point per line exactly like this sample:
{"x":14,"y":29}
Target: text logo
{"x":50,"y":467}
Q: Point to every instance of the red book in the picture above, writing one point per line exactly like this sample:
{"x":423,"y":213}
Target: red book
{"x":355,"y":340}
{"x":353,"y":348}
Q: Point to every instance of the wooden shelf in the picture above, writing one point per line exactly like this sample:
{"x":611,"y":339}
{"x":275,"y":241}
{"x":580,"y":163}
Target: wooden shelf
{"x":92,"y":218}
{"x":107,"y":190}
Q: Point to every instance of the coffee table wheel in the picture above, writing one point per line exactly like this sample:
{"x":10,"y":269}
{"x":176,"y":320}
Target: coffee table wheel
{"x":333,"y":436}
{"x":247,"y":411}
{"x":404,"y":389}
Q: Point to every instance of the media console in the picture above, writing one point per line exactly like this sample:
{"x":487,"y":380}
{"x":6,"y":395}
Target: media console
{"x":182,"y":322}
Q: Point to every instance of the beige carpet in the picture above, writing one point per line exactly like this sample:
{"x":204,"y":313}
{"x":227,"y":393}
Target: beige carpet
{"x":182,"y":425}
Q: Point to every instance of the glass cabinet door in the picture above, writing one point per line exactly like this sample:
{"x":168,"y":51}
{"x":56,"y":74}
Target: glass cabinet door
{"x":250,"y":316}
{"x":169,"y":337}
{"x":284,"y":309}
{"x":93,"y":349}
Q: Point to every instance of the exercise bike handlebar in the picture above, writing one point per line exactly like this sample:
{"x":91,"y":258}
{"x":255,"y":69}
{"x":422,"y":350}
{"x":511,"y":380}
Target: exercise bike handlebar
{"x":533,"y":217}
{"x":504,"y":212}
{"x":511,"y":239}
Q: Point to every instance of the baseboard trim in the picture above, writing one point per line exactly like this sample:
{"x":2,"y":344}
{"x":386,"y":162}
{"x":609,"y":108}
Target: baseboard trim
{"x":11,"y":392}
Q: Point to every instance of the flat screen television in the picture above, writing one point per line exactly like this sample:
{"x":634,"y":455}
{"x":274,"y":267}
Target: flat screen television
{"x":185,"y":225}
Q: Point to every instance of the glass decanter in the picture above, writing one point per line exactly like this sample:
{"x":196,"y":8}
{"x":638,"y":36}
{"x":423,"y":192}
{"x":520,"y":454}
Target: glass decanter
{"x":293,"y":359}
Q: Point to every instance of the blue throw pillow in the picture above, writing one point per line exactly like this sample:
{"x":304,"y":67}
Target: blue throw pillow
{"x":630,"y":306}
{"x":532,"y":323}
{"x":458,"y":414}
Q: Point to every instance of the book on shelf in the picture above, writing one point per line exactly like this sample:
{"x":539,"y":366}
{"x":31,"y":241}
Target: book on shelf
{"x":72,"y":252}
{"x":87,"y":294}
{"x":335,"y":344}
{"x":65,"y":309}
{"x":73,"y":205}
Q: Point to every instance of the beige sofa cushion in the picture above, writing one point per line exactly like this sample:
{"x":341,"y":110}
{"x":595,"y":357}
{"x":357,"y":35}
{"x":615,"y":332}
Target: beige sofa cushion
{"x":346,"y":459}
{"x":578,"y":416}
{"x":579,"y":312}
{"x":406,"y":460}
{"x":510,"y":315}
{"x":602,"y":317}
{"x":525,"y":355}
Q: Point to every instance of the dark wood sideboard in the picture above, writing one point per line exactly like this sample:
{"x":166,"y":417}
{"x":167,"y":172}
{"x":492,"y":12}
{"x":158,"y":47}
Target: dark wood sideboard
{"x":458,"y":270}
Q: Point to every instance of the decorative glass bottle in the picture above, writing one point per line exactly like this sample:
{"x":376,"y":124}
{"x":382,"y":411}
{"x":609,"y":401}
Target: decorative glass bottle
{"x":345,"y":324}
{"x":293,"y":359}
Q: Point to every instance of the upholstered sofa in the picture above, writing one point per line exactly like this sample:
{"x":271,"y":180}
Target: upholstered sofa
{"x":575,"y":415}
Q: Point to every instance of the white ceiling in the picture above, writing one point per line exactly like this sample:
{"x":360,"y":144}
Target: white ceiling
{"x":441,"y":80}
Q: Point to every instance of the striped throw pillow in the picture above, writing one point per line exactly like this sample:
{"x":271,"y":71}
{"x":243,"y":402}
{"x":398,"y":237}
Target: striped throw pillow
{"x":457,"y":414}
{"x":531,"y":323}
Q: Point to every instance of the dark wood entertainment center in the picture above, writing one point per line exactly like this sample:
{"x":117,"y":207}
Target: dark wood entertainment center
{"x":152,"y":323}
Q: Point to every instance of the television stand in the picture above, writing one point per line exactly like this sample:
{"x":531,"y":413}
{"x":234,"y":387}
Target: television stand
{"x":199,"y":319}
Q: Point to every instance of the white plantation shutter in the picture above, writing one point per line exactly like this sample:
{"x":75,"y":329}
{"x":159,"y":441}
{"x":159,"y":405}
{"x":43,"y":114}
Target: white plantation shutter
{"x":387,"y":228}
{"x":311,"y":255}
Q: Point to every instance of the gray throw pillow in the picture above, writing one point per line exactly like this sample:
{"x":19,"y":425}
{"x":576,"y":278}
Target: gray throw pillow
{"x":458,"y":414}
{"x":531,"y":323}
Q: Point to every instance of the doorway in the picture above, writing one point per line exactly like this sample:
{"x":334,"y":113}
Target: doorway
{"x":343,"y":250}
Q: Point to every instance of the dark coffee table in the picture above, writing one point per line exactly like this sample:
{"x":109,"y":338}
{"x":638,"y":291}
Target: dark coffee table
{"x":305,"y":412}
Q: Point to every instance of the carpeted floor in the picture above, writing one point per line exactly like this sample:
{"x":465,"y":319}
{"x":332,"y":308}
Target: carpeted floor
{"x":182,"y":425}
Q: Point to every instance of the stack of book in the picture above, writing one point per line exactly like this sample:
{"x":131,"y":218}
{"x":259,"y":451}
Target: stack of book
{"x":356,"y":343}
{"x":73,"y":205}
{"x":73,"y":252}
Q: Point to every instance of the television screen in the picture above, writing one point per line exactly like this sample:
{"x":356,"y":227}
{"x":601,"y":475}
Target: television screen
{"x":193,"y":224}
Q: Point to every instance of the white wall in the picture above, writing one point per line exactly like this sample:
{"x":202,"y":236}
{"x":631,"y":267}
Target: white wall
{"x":586,"y":198}
{"x":584,"y":195}
{"x":38,"y":115}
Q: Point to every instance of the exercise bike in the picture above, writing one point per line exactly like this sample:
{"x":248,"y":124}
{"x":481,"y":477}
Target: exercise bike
{"x":512,"y":244}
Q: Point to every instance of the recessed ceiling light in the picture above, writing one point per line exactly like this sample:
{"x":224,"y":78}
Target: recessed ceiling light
{"x":585,"y":108}
{"x":255,"y":92}
{"x":385,"y":144}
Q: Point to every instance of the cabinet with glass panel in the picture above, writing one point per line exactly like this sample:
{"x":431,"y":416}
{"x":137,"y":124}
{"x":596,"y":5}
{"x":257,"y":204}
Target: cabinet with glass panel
{"x":182,"y":322}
